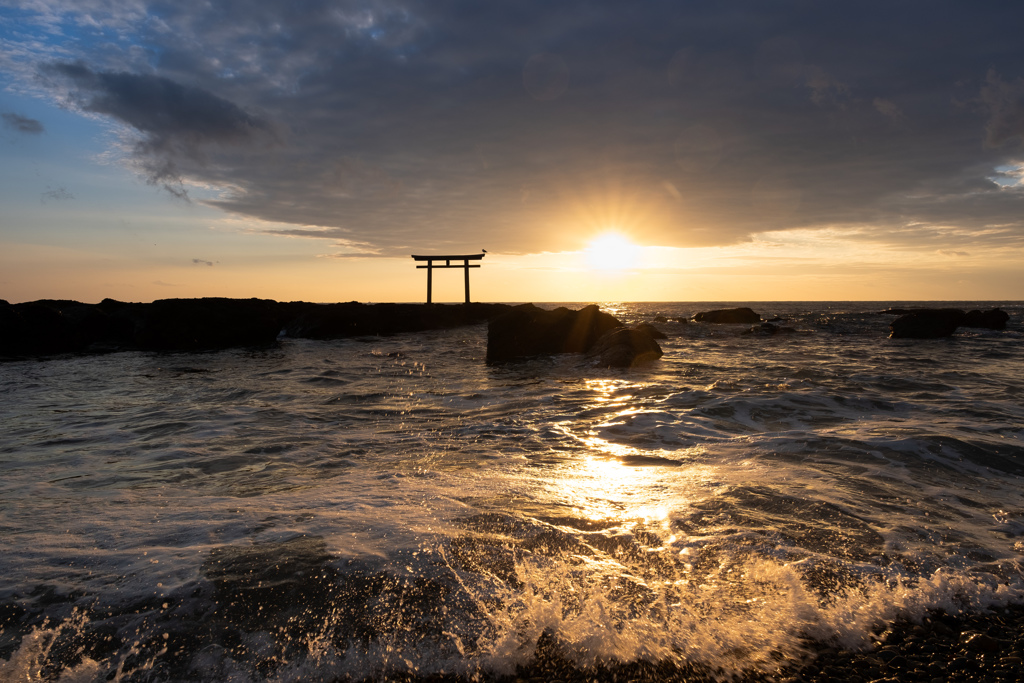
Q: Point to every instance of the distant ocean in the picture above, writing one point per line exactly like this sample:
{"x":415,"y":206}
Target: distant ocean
{"x":393,"y":506}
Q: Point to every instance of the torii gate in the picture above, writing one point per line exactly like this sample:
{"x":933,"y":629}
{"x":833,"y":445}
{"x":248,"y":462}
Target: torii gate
{"x":465,"y":258}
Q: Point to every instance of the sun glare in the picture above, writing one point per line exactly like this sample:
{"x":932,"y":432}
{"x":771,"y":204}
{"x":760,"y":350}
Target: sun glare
{"x":611,"y":251}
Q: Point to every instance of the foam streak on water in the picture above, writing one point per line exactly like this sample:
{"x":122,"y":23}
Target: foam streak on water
{"x":356,"y":508}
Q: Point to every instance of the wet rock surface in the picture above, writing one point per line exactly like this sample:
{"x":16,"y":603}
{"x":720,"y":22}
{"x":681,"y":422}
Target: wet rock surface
{"x":935,"y":323}
{"x":994,"y":319}
{"x":527,"y":331}
{"x":49,"y":326}
{"x":625,"y":348}
{"x":980,"y":647}
{"x":926,"y":323}
{"x":728,"y":316}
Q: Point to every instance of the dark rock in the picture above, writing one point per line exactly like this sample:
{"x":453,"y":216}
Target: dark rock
{"x":353,"y":319}
{"x":209,"y":323}
{"x":29,"y":326}
{"x":660,"y":319}
{"x":49,"y":326}
{"x":994,"y":319}
{"x":652,"y":331}
{"x":625,"y":348}
{"x":926,"y":323}
{"x":53,"y":326}
{"x":973,"y":641}
{"x":728,"y":316}
{"x":527,"y":331}
{"x":899,"y":662}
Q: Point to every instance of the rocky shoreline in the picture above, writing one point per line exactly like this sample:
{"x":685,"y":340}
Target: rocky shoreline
{"x":51,"y":327}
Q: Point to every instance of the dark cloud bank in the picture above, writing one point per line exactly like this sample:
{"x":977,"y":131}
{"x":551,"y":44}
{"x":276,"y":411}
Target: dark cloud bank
{"x":400,"y":125}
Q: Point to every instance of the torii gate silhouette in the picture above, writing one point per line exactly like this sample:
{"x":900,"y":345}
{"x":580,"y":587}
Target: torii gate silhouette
{"x":465,"y":258}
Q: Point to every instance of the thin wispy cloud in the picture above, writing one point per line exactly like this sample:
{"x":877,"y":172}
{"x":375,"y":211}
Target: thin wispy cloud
{"x":55,"y":194}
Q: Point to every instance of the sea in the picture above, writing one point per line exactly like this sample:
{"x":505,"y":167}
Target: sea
{"x":386,"y":508}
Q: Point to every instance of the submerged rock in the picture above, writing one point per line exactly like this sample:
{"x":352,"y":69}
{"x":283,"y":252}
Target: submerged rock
{"x":624,"y":348}
{"x":728,"y":316}
{"x":527,"y":331}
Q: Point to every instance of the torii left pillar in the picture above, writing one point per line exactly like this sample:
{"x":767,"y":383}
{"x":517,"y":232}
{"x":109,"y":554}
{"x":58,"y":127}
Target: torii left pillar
{"x":465,"y":265}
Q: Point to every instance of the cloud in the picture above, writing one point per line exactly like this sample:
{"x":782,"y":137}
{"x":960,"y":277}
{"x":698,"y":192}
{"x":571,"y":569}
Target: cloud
{"x":1005,"y":103}
{"x":22,"y":124}
{"x":355,"y":255}
{"x":201,"y":262}
{"x":401,"y":125}
{"x":55,"y":195}
{"x":175,"y":121}
{"x":826,"y":90}
{"x":888,"y":108}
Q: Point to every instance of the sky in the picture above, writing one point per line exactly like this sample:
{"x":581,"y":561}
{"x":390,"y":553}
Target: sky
{"x":599,"y":151}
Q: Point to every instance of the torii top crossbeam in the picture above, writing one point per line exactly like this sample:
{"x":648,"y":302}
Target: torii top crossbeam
{"x":465,"y":258}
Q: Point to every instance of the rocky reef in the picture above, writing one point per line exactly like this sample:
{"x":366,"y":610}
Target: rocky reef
{"x":49,"y":326}
{"x":935,"y":323}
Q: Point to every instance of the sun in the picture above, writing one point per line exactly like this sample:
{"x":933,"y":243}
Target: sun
{"x":611,"y":251}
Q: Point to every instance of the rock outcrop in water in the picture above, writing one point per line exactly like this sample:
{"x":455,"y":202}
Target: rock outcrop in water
{"x":994,"y":319}
{"x":728,"y":316}
{"x":935,"y":323}
{"x":527,"y":331}
{"x":926,"y":323}
{"x":625,"y":348}
{"x":51,"y":326}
